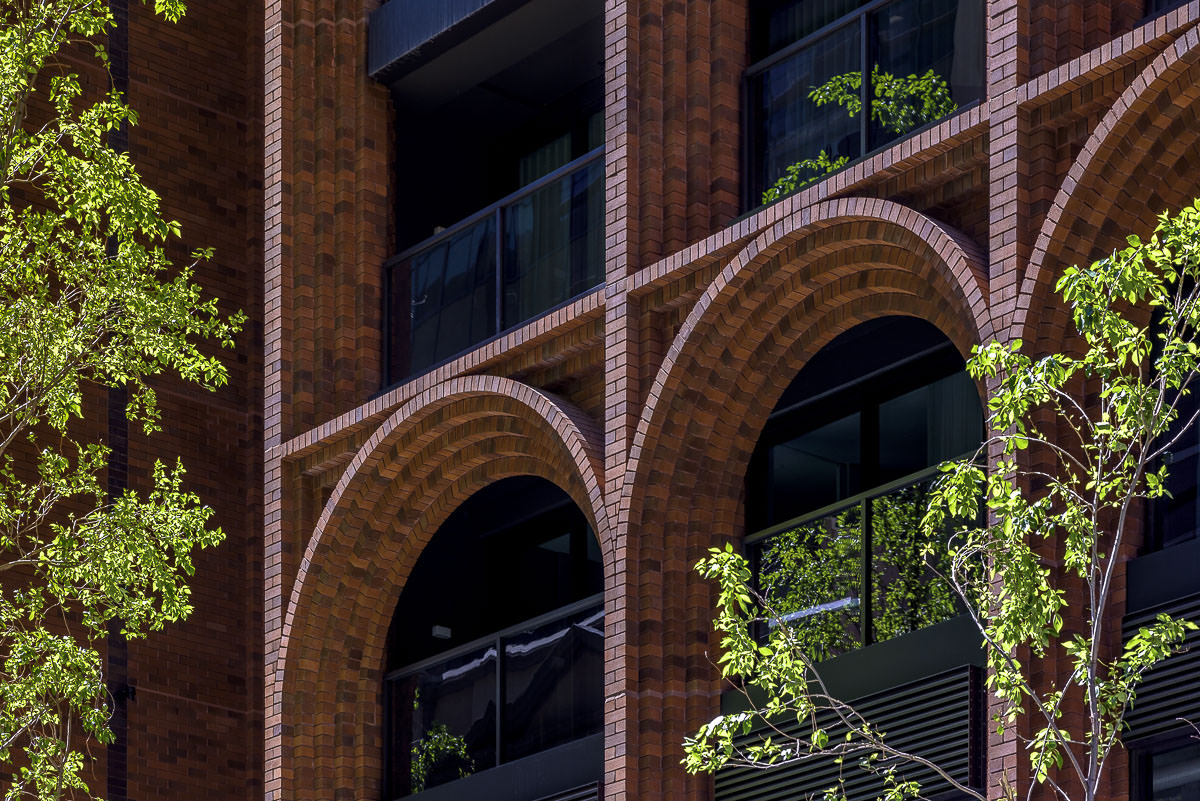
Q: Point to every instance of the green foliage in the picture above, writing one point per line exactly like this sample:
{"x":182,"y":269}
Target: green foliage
{"x":899,"y":104}
{"x":88,"y":298}
{"x":438,"y":746}
{"x":803,"y":173}
{"x":1098,"y":423}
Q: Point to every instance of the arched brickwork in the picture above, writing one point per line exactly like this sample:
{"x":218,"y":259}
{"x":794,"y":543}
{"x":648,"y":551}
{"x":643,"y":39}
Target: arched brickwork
{"x":810,"y":277}
{"x":1142,"y":159}
{"x":424,"y":460}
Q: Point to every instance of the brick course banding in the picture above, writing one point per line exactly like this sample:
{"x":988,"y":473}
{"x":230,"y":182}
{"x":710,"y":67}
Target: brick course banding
{"x":644,"y":398}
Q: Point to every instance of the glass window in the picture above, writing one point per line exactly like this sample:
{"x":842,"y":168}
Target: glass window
{"x":856,"y":573}
{"x":775,"y":24}
{"x":788,"y":125}
{"x":551,"y":249}
{"x":553,"y":683}
{"x":1175,"y":775}
{"x":907,"y":590}
{"x":495,"y":650}
{"x":810,"y":111}
{"x":812,"y":577}
{"x":553,"y":244}
{"x":453,"y":301}
{"x":451,"y":730}
{"x":1161,"y":6}
{"x":927,"y":63}
{"x":1175,"y":518}
{"x":927,"y":426}
{"x":815,"y":469}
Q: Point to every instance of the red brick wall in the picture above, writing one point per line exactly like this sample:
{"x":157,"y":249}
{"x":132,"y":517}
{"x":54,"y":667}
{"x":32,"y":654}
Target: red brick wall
{"x":194,"y":725}
{"x":668,"y":373}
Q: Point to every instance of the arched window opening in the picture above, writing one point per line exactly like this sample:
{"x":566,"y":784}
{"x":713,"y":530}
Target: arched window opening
{"x":839,"y":479}
{"x":495,"y":652}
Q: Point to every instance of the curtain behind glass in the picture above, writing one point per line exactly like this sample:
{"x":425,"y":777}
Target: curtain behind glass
{"x":788,"y":126}
{"x":553,"y":241}
{"x":454,"y":294}
{"x":777,"y":24}
{"x":913,"y":38}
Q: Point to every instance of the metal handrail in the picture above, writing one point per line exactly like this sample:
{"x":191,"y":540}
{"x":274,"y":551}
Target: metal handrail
{"x":489,"y":210}
{"x":854,"y":500}
{"x":495,"y":637}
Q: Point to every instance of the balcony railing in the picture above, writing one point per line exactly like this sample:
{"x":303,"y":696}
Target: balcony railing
{"x":854,"y":573}
{"x":513,"y":694}
{"x":810,"y":110}
{"x":532,"y":251}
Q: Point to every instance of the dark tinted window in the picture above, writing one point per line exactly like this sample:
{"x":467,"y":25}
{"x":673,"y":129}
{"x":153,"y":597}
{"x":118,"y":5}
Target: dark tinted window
{"x":1176,"y":518}
{"x":496,"y":646}
{"x":885,"y":400}
{"x":1174,"y":775}
{"x":808,"y":107}
{"x":515,"y":550}
{"x":839,"y":482}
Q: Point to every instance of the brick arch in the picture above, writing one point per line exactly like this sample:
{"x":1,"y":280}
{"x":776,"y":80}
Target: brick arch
{"x":1134,"y":166}
{"x":422,"y":462}
{"x":796,"y":287}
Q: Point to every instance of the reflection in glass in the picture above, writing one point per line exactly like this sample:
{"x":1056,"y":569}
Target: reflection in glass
{"x":1176,"y":515}
{"x":453,"y":297}
{"x":909,"y":590}
{"x":553,"y":241}
{"x":814,"y":469}
{"x":1175,"y":775}
{"x":929,"y":425}
{"x":547,"y":687}
{"x":937,"y":42}
{"x":811,"y":578}
{"x":775,"y":24}
{"x":522,"y":257}
{"x":553,"y":684}
{"x":789,"y":126}
{"x":921,"y":60}
{"x":453,"y":724}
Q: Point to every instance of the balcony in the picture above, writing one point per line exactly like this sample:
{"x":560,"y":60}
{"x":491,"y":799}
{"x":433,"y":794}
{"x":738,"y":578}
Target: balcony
{"x":520,"y":709}
{"x":520,"y":257}
{"x":808,"y":110}
{"x":852,"y":574}
{"x":889,"y":635}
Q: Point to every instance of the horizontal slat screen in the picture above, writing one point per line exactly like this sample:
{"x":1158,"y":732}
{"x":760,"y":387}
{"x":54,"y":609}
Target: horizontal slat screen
{"x":588,"y":792}
{"x":1168,"y":694}
{"x":939,"y":718}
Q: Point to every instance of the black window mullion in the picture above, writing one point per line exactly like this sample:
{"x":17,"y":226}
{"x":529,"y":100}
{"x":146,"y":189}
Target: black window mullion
{"x":498,"y":325}
{"x":866,"y":590}
{"x":864,"y":89}
{"x":500,"y":666}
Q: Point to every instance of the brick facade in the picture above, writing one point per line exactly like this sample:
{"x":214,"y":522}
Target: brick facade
{"x":194,"y":723}
{"x":644,"y":399}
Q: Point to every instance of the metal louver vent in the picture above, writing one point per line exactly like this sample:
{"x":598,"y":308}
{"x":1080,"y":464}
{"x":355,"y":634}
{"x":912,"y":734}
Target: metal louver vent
{"x":940,"y":718}
{"x":1167,"y":695}
{"x":588,"y":792}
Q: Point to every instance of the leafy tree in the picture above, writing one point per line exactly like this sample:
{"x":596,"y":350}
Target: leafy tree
{"x":898,"y":104}
{"x":88,"y":298}
{"x":1101,"y":421}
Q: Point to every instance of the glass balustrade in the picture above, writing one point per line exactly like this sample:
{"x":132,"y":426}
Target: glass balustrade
{"x":515,"y":260}
{"x":518,"y":692}
{"x":856,"y":573}
{"x":810,"y":111}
